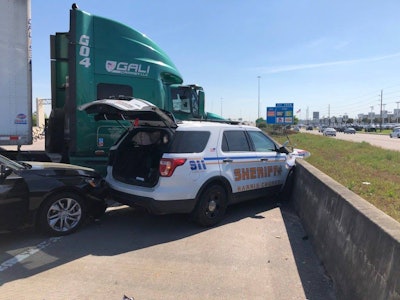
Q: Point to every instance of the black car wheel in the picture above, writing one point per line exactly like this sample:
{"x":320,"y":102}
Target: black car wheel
{"x":62,"y":214}
{"x":211,"y":206}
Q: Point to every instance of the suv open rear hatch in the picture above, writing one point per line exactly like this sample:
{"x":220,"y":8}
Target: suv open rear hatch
{"x":139,"y":111}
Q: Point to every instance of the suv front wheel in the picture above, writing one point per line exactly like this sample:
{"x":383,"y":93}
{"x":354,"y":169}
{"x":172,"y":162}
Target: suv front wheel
{"x":211,"y":206}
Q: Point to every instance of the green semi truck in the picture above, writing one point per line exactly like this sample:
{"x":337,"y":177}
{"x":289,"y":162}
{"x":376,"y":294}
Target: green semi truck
{"x":98,"y":59}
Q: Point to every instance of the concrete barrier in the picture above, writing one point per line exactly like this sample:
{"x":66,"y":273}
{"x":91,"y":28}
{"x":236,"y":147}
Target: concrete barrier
{"x":358,"y":244}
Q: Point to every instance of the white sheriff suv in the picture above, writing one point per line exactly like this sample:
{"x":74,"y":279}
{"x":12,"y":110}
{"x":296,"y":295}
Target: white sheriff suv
{"x":193,"y":167}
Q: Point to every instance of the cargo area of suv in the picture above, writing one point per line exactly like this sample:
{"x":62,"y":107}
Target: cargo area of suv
{"x":137,"y":160}
{"x":138,"y":157}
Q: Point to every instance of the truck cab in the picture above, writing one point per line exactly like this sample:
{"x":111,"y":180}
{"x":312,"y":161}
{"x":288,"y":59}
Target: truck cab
{"x":100,"y":58}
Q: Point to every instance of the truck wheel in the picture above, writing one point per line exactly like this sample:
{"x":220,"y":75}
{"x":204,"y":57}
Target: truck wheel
{"x":62,"y":214}
{"x":211,"y":206}
{"x":55,"y":131}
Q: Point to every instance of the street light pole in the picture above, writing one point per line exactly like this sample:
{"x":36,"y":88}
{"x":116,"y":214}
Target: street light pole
{"x":381,"y":110}
{"x":258,"y":116}
{"x":372,"y":108}
{"x":221,"y":107}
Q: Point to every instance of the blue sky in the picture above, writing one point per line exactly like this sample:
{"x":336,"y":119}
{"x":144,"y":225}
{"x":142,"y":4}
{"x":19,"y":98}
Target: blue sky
{"x":334,"y":57}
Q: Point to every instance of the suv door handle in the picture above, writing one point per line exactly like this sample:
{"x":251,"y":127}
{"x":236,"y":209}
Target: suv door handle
{"x":227,"y":160}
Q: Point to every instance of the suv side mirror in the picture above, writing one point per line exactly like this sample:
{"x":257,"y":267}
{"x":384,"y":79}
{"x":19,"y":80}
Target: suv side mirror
{"x":283,"y":149}
{"x":288,"y":146}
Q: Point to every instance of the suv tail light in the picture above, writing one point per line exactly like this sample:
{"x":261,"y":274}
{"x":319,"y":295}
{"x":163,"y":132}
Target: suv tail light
{"x":168,"y":165}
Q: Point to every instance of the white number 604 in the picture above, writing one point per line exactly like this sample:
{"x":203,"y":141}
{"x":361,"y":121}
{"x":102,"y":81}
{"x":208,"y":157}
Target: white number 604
{"x":84,"y":51}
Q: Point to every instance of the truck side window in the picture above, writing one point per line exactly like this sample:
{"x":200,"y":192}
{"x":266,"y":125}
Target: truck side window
{"x":183,"y":100}
{"x":195,"y":104}
{"x":107,"y":90}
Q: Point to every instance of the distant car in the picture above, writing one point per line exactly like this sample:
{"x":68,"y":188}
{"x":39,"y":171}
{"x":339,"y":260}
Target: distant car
{"x":395,"y":133}
{"x":329,"y":132}
{"x":56,"y":197}
{"x":370,"y":128}
{"x":309,"y":127}
{"x":349,"y":130}
{"x":339,"y":129}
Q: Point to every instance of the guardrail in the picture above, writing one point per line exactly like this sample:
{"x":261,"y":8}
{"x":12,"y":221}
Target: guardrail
{"x":358,"y":244}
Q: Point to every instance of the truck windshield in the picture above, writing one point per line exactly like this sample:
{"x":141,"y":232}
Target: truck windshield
{"x":185,"y":100}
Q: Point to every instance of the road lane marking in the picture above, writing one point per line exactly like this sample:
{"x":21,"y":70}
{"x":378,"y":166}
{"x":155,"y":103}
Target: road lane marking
{"x":27,"y":253}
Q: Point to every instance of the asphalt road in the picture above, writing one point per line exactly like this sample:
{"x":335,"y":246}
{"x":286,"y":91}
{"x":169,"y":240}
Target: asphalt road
{"x":378,"y":140}
{"x":260,"y":251}
{"x":38,"y":145}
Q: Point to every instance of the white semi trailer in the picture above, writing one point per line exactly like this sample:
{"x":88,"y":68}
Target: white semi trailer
{"x":15,"y":73}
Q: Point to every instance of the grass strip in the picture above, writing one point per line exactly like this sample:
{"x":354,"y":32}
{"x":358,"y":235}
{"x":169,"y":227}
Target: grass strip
{"x":372,"y":173}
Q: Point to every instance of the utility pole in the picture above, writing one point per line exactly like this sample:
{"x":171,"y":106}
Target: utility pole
{"x":258,"y":115}
{"x":372,"y":108}
{"x":397,"y":112}
{"x":381,"y":110}
{"x":221,"y":107}
{"x":329,"y":114}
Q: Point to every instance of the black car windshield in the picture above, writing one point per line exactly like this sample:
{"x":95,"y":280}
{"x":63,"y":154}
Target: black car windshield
{"x":11,"y":163}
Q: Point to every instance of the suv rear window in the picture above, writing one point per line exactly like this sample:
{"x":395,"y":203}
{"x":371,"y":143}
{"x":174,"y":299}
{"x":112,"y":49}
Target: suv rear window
{"x":189,"y":141}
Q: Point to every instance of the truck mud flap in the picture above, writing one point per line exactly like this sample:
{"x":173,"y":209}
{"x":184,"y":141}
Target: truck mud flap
{"x":55,"y":131}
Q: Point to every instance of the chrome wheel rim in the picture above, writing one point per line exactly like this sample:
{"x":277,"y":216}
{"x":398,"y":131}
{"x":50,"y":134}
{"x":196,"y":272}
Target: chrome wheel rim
{"x":212,"y":208}
{"x":64,"y":214}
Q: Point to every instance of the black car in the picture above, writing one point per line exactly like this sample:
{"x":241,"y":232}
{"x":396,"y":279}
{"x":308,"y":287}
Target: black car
{"x":349,"y":130}
{"x":55,"y":197}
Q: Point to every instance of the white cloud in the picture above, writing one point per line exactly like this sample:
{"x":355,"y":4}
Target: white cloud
{"x":289,"y":68}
